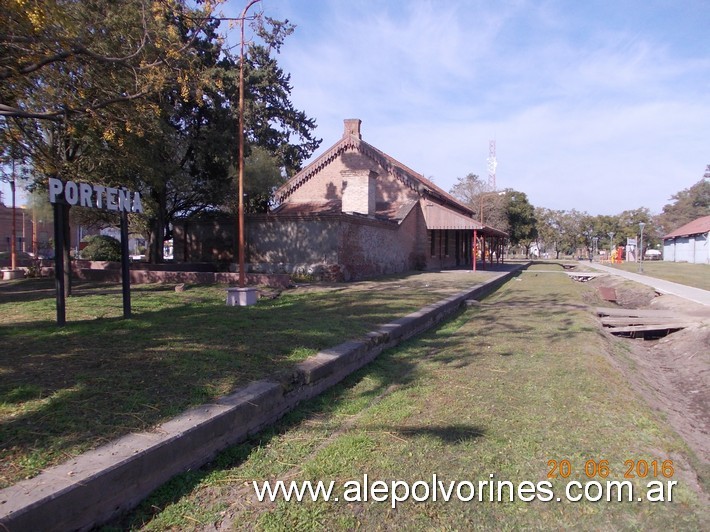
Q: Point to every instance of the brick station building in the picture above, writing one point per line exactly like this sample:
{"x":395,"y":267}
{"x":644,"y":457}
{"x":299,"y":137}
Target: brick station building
{"x":353,"y":213}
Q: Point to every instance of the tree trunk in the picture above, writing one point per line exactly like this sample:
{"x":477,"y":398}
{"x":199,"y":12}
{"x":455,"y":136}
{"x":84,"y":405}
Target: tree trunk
{"x":157,"y":228}
{"x":155,"y":241}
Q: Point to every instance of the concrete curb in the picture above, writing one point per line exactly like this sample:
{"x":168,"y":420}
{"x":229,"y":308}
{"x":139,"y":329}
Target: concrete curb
{"x":106,"y":482}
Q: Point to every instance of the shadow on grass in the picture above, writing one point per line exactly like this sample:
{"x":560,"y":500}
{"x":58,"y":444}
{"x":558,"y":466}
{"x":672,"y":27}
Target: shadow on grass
{"x":450,"y":434}
{"x":388,"y":372}
{"x":26,"y":290}
{"x":95,"y":380}
{"x":37,"y":289}
{"x":520,"y":312}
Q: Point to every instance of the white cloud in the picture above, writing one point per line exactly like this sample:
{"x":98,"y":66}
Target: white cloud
{"x":592,"y":109}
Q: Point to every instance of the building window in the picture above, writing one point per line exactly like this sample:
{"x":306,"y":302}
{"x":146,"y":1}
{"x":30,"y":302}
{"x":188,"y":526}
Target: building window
{"x":433,"y":242}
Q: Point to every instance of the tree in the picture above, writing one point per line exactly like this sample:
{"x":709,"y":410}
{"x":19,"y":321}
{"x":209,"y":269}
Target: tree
{"x":271,"y":119}
{"x":629,"y":227}
{"x":495,"y":209}
{"x":74,"y":72}
{"x":687,"y":205}
{"x":604,"y":226}
{"x":204,"y":126}
{"x":181,"y":163}
{"x":571,"y":232}
{"x":262,"y":176}
{"x":468,"y":190}
{"x":488,"y":205}
{"x":143,"y":94}
{"x":552,"y":230}
{"x":522,"y":225}
{"x":102,"y":52}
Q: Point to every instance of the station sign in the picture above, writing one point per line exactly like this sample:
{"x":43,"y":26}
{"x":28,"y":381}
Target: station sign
{"x":94,"y":196}
{"x":121,"y":200}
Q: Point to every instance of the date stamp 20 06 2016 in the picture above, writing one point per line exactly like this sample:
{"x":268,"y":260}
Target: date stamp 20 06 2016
{"x":601,"y":469}
{"x":595,"y":472}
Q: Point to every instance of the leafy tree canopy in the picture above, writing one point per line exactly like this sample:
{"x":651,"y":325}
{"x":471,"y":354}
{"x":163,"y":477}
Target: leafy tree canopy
{"x":103,"y":53}
{"x":687,"y":205}
{"x":488,"y":205}
{"x":557,"y":231}
{"x":143,"y":94}
{"x":468,"y":189}
{"x":522,"y":224}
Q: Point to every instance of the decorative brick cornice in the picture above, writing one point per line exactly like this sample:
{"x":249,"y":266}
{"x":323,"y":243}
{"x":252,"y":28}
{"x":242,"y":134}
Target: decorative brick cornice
{"x":288,"y":188}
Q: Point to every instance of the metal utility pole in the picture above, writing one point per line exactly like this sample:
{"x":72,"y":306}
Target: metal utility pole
{"x":641,"y":226}
{"x":13,"y":245}
{"x":240,"y":251}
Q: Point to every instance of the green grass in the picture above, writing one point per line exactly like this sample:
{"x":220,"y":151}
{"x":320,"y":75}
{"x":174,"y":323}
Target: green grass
{"x":65,"y":390}
{"x":502,"y":389}
{"x":696,"y":275}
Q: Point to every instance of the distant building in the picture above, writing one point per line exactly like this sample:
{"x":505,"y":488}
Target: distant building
{"x":353,"y":213}
{"x":689,"y":243}
{"x":34,"y":234}
{"x":23,"y":229}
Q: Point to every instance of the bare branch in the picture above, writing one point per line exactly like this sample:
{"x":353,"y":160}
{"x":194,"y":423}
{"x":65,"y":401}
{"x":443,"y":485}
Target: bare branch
{"x":14,"y":112}
{"x":6,"y":110}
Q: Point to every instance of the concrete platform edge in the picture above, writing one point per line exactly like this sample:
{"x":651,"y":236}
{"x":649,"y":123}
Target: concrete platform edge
{"x":101,"y":484}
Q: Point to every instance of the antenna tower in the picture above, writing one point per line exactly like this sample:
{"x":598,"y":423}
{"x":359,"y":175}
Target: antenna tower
{"x":492,"y":164}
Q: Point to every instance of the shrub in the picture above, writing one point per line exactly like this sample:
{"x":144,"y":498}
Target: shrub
{"x":101,"y":247}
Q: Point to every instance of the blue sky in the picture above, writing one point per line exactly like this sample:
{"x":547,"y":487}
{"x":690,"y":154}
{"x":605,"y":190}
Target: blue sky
{"x":599,"y":106}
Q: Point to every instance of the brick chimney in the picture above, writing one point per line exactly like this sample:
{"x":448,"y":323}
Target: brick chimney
{"x":352,"y":127}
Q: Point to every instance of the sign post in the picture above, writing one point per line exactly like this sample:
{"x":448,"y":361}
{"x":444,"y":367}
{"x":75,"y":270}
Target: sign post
{"x":59,"y":262}
{"x":122,"y":200}
{"x":125,"y":268}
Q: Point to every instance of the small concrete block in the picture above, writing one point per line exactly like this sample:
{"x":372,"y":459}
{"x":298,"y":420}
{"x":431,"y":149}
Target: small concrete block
{"x":241,"y":297}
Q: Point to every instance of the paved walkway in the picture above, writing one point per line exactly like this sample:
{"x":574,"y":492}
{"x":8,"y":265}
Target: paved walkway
{"x":698,"y":295}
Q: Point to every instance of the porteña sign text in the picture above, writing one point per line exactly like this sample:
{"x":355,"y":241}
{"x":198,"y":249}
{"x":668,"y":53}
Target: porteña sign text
{"x":94,"y":196}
